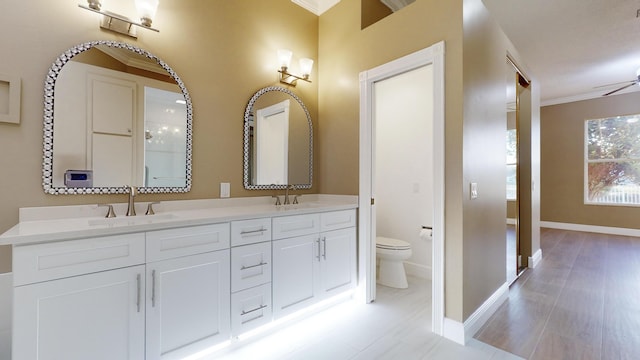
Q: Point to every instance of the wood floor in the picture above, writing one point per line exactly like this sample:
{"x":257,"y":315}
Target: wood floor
{"x":581,"y":302}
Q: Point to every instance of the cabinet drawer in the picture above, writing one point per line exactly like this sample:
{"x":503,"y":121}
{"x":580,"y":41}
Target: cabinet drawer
{"x":250,"y":309}
{"x":250,"y":266}
{"x":337,"y":220}
{"x":171,"y":243}
{"x":297,"y":225}
{"x":42,"y":262}
{"x":253,"y":231}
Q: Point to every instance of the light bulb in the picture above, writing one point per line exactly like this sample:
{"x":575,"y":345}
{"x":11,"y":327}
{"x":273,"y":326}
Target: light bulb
{"x":284,"y":58}
{"x":306,"y":65}
{"x":147,"y":11}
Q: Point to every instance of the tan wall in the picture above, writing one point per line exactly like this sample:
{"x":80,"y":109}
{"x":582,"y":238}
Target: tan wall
{"x":475,"y":230}
{"x":224,"y":51}
{"x":345,"y":51}
{"x":563,"y":162}
{"x":485,"y":49}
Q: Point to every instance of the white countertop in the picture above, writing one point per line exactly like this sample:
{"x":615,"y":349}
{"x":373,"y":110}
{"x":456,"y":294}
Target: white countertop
{"x":55,"y":223}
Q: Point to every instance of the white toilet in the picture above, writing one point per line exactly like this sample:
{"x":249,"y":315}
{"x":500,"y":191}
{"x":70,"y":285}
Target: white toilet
{"x":391,"y":253}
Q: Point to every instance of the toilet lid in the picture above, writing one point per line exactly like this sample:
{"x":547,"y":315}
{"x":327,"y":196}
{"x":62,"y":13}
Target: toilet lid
{"x":393,"y":244}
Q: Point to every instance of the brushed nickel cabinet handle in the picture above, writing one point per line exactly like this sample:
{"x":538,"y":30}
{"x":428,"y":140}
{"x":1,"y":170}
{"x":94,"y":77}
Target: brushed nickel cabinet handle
{"x":318,"y":256}
{"x":138,"y":293}
{"x":324,"y":247}
{"x":253,"y":266}
{"x":253,"y":231}
{"x":254,"y":310}
{"x":153,"y":288}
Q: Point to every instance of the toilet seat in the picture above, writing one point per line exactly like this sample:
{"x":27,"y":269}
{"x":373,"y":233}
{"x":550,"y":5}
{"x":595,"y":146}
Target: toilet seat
{"x":391,"y":244}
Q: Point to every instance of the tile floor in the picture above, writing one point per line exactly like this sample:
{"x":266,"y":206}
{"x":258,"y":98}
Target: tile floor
{"x":396,"y":326}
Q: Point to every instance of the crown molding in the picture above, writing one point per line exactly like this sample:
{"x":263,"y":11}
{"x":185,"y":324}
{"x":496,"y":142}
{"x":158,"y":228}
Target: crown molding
{"x":317,"y":7}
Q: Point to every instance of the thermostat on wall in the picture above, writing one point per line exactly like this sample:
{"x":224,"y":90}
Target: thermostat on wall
{"x":78,"y":178}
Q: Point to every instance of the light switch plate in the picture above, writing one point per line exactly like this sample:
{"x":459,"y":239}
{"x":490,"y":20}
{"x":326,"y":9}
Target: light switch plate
{"x":474,"y":191}
{"x":225,"y":190}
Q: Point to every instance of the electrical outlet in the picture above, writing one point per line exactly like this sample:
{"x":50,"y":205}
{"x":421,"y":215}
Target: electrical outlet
{"x":225,"y":190}
{"x":474,"y":191}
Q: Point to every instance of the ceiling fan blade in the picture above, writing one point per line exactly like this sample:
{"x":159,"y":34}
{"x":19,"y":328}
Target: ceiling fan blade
{"x":620,"y":89}
{"x":614,"y":84}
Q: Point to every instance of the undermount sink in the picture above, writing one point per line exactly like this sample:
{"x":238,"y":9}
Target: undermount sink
{"x":131,"y":220}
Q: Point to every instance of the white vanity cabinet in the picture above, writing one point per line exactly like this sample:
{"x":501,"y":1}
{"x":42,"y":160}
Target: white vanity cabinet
{"x":188,"y":286}
{"x":251,"y":265}
{"x":317,"y":261}
{"x":80,"y":299}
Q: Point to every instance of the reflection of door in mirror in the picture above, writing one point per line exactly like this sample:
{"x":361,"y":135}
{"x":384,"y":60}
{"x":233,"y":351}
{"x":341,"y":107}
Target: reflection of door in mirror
{"x":272,"y":144}
{"x":100,"y":126}
{"x":165,"y":135}
{"x":518,"y":218}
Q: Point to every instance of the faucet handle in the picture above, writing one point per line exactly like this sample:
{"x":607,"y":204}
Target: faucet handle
{"x":277,"y":199}
{"x":150,"y":208}
{"x":110,"y":212}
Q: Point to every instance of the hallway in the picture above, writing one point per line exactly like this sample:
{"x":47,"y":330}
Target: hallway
{"x":581,"y":302}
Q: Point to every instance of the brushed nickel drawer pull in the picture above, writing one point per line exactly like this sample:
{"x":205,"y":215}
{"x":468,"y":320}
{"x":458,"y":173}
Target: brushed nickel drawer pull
{"x":253,"y":266}
{"x":254,"y":310}
{"x":138,"y":296}
{"x":253,"y":231}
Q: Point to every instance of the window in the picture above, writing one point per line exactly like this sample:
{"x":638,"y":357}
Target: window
{"x":512,"y":161}
{"x":612,"y":160}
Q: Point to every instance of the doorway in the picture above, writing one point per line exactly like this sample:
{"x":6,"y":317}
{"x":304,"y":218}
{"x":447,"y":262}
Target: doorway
{"x":433,"y":59}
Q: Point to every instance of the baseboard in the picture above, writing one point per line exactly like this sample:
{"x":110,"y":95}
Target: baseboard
{"x":511,"y":221}
{"x":591,"y":228}
{"x":484,"y":312}
{"x":418,"y":270}
{"x":462,"y":332}
{"x":454,"y":331}
{"x":535,"y":259}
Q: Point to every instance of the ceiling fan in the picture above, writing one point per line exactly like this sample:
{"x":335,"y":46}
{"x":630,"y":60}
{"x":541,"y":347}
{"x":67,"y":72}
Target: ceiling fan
{"x":628,"y":84}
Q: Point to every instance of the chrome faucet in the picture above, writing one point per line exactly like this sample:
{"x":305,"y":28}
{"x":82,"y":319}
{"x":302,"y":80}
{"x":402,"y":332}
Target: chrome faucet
{"x":132,"y":191}
{"x":286,"y":193}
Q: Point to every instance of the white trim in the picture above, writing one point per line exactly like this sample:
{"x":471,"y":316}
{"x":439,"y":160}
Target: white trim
{"x":433,"y":55}
{"x":316,"y":6}
{"x":535,"y":259}
{"x":418,"y":270}
{"x":463,"y":332}
{"x":454,"y":331}
{"x":591,"y":228}
{"x":484,"y":312}
{"x":511,"y":221}
{"x":587,"y":96}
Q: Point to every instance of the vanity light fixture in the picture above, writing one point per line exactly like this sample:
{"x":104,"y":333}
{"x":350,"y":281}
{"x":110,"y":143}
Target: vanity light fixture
{"x":122,"y":24}
{"x":284,"y":59}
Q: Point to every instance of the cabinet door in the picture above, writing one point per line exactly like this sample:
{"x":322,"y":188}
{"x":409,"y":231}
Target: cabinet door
{"x":296,"y":262}
{"x":338,"y":265}
{"x":188,"y":304}
{"x":95,"y":316}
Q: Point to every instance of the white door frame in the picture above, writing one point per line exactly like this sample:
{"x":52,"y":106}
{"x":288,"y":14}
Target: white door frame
{"x":433,"y":55}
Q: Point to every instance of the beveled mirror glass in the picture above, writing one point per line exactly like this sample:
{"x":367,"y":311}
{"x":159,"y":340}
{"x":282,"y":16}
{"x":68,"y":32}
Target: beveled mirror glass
{"x":119,"y":113}
{"x":278,"y":141}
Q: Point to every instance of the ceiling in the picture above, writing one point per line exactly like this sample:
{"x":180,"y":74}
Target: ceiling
{"x":575,"y":49}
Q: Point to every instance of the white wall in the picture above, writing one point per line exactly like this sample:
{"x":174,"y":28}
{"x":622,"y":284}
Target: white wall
{"x":404,"y":166}
{"x":6,"y":297}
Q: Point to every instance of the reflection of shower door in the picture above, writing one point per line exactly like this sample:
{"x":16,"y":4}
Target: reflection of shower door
{"x":272,"y":143}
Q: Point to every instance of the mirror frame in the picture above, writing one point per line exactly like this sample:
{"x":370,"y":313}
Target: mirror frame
{"x":49,"y":95}
{"x":247,"y":115}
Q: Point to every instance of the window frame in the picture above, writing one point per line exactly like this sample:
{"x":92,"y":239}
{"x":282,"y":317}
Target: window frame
{"x":587,"y":161}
